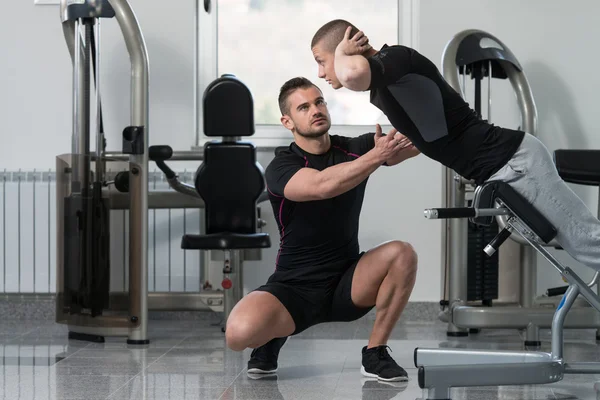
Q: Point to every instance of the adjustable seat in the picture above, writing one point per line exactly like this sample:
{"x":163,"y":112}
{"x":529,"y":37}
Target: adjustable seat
{"x":230,"y":181}
{"x":442,"y":369}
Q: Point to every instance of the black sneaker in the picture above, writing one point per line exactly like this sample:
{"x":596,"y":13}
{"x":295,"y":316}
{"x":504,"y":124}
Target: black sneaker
{"x":377,"y":363}
{"x":263,"y":359}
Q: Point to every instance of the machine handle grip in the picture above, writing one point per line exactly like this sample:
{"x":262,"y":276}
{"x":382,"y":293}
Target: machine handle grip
{"x":160,"y":153}
{"x":442,"y":213}
{"x":497,"y":241}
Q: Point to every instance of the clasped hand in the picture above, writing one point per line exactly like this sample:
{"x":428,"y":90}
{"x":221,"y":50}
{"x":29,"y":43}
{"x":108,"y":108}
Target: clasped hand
{"x":393,"y":147}
{"x":358,"y":44}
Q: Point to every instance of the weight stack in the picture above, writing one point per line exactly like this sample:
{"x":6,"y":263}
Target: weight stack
{"x":482,"y":271}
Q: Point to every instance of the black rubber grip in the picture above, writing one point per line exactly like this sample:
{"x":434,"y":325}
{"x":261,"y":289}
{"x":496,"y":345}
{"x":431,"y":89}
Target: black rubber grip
{"x":160,"y":153}
{"x":557,"y":291}
{"x":500,"y":238}
{"x":122,"y":181}
{"x":458,"y":212}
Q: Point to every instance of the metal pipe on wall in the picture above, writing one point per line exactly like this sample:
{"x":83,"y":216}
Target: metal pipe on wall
{"x":185,"y":155}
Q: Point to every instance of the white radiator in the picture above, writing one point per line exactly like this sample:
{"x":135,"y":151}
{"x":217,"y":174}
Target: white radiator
{"x":28,"y":238}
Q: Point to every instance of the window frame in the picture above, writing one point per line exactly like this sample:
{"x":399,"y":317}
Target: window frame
{"x":269,"y":136}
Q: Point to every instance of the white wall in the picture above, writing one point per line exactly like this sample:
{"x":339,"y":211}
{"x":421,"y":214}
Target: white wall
{"x":34,"y":86}
{"x":36,"y":74}
{"x":550,"y":38}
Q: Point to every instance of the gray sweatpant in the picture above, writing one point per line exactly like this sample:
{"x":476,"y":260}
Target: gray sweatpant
{"x":532,"y":173}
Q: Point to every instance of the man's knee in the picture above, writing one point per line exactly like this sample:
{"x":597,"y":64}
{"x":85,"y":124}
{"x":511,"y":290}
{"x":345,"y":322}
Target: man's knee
{"x":238,"y":333}
{"x":403,"y":257}
{"x":256,"y":319}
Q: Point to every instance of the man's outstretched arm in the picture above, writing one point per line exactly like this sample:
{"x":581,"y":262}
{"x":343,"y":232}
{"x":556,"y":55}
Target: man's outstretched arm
{"x":310,"y":184}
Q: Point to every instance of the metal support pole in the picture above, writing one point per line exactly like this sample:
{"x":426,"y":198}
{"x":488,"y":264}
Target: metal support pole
{"x":489,"y":113}
{"x":99,"y":131}
{"x":458,"y":254}
{"x":527,"y":291}
{"x":232,"y":295}
{"x":238,"y":278}
{"x":138,"y":173}
{"x":81,"y":108}
{"x":77,"y":65}
{"x":558,"y":321}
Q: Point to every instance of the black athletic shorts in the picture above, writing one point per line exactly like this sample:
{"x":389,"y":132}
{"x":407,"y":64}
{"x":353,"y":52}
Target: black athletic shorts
{"x":322,"y":299}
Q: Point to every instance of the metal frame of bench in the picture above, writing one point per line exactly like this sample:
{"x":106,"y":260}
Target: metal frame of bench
{"x":442,"y":369}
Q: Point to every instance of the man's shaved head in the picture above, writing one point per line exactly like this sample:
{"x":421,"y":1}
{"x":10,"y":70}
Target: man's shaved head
{"x":331,"y":34}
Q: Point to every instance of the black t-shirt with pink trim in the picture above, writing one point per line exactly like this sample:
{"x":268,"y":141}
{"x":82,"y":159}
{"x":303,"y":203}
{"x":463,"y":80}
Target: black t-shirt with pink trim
{"x":421,"y":105}
{"x":316,"y":233}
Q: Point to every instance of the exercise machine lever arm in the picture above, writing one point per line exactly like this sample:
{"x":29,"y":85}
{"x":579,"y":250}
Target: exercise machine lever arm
{"x":463,"y":212}
{"x":159,"y":154}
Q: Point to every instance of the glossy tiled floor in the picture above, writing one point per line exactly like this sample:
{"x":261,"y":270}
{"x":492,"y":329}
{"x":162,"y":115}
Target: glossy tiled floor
{"x":187,"y":360}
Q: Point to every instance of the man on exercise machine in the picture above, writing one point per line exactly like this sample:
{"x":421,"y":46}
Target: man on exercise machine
{"x":412,"y":93}
{"x":316,"y":187}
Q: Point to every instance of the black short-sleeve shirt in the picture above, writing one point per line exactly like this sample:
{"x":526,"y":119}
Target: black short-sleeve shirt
{"x":320,"y":232}
{"x":420,"y":104}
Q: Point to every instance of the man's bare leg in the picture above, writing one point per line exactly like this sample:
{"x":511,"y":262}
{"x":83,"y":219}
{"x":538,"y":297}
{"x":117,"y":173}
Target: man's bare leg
{"x":255,"y":320}
{"x":384,"y":277}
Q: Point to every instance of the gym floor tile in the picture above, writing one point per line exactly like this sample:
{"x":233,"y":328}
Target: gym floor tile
{"x":189,"y":360}
{"x":140,"y":389}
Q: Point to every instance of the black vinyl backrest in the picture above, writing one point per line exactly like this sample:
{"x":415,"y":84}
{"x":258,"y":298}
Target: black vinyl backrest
{"x":230,"y":182}
{"x":228,"y":108}
{"x":578,"y":166}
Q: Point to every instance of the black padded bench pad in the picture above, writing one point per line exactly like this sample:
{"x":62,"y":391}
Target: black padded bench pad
{"x":522,"y":209}
{"x":578,"y":166}
{"x":225,"y":241}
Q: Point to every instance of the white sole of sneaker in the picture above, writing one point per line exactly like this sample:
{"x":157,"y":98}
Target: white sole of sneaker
{"x":400,"y":385}
{"x":261,"y":371}
{"x":370,"y":375}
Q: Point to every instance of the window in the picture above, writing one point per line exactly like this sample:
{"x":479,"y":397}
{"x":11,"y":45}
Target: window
{"x":266,"y":42}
